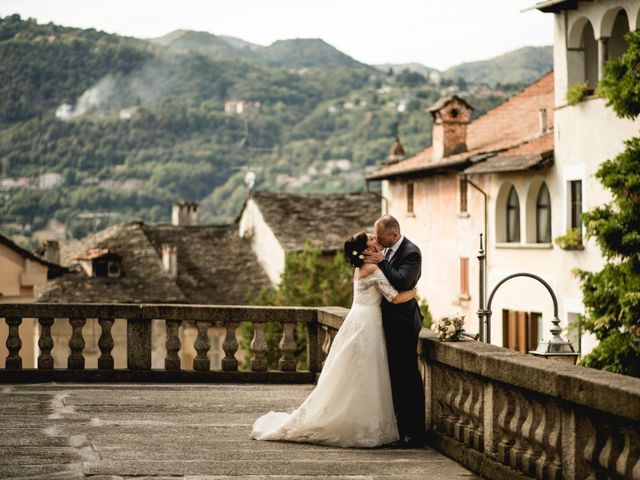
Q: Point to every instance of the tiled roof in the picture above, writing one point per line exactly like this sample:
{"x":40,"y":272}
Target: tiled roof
{"x":215,"y":266}
{"x":512,"y":123}
{"x":324,"y":219}
{"x":535,"y":154}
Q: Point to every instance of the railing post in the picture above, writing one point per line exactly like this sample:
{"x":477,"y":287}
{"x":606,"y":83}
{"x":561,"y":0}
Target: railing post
{"x":45,"y":343}
{"x":14,"y":344}
{"x":230,"y":347}
{"x":138,"y":344}
{"x":312,"y":347}
{"x":202,"y":346}
{"x":76,"y":344}
{"x":172,"y":359}
{"x":106,"y":344}
{"x":287,"y":345}
{"x":259,"y":348}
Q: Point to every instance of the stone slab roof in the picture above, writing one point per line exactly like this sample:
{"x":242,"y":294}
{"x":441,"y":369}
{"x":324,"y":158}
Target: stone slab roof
{"x":143,"y":279}
{"x":326,"y":220}
{"x":215,"y":266}
{"x":514,"y":122}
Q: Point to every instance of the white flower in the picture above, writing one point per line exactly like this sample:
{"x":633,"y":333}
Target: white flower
{"x":354,"y":253}
{"x":451,"y":330}
{"x":361,"y":257}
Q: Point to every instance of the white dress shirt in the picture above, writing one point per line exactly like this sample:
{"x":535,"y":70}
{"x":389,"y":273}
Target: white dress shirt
{"x":393,"y":248}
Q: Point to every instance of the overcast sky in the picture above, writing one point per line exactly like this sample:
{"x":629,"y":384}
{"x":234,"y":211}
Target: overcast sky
{"x":436,"y":33}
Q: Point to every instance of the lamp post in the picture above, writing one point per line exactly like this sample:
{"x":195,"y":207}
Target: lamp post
{"x":556,"y":348}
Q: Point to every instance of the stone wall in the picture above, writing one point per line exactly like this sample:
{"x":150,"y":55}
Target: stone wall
{"x":507,"y":415}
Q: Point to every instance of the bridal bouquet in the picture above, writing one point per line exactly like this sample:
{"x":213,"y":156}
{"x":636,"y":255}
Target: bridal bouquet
{"x":449,"y":328}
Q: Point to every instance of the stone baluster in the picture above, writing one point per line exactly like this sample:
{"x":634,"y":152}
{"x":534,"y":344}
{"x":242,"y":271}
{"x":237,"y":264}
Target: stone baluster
{"x":172,"y":359}
{"x":469,"y":426}
{"x":259,"y":348}
{"x":14,"y":344}
{"x":551,"y":443}
{"x":76,"y":344}
{"x":106,"y":344}
{"x":503,"y":421}
{"x":202,"y":346}
{"x":230,"y":347}
{"x":45,"y":343}
{"x":287,"y":362}
{"x":541,"y":431}
{"x":515,"y":428}
{"x":457,"y":423}
{"x":326,"y":344}
{"x":446,"y":417}
{"x":532,"y":451}
{"x":472,"y":407}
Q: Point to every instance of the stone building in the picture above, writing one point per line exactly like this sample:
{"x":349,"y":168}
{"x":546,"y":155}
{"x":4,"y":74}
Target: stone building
{"x":276,"y":224}
{"x":20,"y":273}
{"x":534,"y":157}
{"x":174,"y":263}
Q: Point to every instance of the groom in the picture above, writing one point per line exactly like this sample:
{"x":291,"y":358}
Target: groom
{"x":401,"y":263}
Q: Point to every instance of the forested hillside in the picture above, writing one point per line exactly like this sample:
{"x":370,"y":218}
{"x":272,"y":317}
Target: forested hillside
{"x":97,"y":128}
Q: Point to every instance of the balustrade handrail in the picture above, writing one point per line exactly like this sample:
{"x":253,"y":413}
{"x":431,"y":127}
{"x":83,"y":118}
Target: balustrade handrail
{"x":152,"y":311}
{"x":139,"y":321}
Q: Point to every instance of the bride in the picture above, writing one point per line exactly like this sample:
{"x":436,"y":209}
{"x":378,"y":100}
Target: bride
{"x":351,"y":405}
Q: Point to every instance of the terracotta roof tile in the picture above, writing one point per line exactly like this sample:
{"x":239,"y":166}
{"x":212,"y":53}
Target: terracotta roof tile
{"x":513,"y":122}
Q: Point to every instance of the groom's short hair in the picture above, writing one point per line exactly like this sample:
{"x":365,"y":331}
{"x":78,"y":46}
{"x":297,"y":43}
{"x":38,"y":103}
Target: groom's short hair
{"x":389,"y":223}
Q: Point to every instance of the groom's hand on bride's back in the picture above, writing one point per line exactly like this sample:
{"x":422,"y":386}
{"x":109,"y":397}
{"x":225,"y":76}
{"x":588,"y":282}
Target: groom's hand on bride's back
{"x":371,"y":256}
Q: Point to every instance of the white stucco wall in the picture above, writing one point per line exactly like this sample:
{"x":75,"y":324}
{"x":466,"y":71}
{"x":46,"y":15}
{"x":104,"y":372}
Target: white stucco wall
{"x":264,"y":243}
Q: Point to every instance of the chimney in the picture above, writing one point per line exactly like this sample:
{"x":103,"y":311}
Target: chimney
{"x":170,"y":260}
{"x":52,"y":251}
{"x":396,"y":153}
{"x":450,"y":118}
{"x":184,"y":214}
{"x":543,"y":121}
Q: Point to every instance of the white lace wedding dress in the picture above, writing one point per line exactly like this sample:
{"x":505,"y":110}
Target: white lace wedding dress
{"x":351,"y":405}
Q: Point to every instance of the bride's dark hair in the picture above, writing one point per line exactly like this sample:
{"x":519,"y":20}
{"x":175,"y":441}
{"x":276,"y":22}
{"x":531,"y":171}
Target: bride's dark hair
{"x":354,"y":248}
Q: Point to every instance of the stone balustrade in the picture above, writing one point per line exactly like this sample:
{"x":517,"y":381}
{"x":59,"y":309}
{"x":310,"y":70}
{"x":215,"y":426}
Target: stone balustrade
{"x":506,"y":415}
{"x":500,"y":413}
{"x":139,"y":320}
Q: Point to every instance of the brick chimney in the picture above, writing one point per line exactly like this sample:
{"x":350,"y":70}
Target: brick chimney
{"x":450,"y":118}
{"x":170,"y":260}
{"x":52,"y":251}
{"x":396,"y":153}
{"x":184,"y":214}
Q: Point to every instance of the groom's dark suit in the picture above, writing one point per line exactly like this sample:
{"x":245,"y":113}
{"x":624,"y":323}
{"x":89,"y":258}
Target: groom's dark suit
{"x":402,"y":323}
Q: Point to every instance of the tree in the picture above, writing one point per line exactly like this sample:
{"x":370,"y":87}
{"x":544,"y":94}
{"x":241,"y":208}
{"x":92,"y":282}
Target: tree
{"x":612,"y":295}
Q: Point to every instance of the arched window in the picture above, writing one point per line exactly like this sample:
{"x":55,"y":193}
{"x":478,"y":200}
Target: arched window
{"x":617,"y":45}
{"x":513,"y":216}
{"x":543,"y":215}
{"x":590,"y":46}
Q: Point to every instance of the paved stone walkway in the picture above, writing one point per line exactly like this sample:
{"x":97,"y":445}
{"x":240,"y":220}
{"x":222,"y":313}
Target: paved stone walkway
{"x":195,"y":432}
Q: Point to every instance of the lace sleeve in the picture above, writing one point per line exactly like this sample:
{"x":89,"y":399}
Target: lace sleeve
{"x":383,"y":286}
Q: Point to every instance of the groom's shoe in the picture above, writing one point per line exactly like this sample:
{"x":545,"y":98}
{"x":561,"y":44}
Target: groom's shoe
{"x":411,"y":442}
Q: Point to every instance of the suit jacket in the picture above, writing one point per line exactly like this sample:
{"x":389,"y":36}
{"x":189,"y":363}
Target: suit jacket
{"x":403,"y":272}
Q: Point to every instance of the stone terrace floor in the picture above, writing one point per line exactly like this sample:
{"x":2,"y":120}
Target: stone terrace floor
{"x":152,"y":431}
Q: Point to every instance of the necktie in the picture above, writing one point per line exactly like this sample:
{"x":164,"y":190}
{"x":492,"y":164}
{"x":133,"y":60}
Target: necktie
{"x":387,"y":255}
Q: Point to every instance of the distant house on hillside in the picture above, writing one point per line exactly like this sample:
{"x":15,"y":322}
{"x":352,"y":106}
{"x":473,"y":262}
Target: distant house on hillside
{"x":276,"y":224}
{"x":241,"y":106}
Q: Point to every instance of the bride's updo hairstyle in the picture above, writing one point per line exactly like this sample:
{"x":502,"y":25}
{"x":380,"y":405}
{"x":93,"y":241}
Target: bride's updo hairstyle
{"x":354,"y":248}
